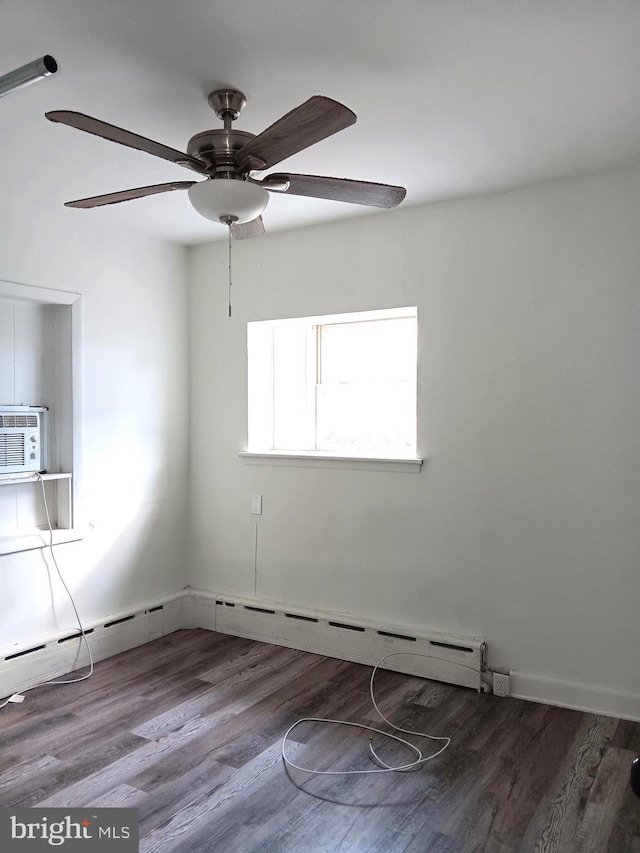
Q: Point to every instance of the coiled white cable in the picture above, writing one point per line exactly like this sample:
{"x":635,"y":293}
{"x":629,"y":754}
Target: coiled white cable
{"x":385,"y":768}
{"x":73,"y":604}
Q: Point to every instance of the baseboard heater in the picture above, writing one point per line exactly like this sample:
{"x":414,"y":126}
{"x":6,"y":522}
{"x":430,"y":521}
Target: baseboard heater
{"x":28,"y":664}
{"x":452,"y":658}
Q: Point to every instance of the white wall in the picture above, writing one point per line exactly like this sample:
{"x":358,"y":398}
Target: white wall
{"x":134,"y":417}
{"x":524,"y":525}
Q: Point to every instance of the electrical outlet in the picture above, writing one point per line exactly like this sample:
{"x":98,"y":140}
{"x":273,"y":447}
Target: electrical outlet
{"x":501,"y":684}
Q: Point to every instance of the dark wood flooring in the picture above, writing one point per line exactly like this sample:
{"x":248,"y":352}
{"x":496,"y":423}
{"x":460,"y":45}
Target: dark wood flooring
{"x":187,"y":729}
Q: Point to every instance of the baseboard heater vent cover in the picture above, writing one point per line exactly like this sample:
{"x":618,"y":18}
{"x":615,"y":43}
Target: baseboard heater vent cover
{"x":452,"y":658}
{"x":30,"y":664}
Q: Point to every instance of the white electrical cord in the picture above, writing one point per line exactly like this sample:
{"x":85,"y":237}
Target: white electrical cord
{"x":385,"y":768}
{"x":73,"y":604}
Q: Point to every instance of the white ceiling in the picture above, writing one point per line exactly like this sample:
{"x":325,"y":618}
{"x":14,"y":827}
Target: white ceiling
{"x":453,"y":98}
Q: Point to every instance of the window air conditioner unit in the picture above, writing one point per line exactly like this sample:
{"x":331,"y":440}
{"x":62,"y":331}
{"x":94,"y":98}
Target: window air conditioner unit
{"x":23,"y":439}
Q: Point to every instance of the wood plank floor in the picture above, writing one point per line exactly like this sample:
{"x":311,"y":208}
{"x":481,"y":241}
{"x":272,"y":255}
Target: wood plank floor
{"x":187,"y":729}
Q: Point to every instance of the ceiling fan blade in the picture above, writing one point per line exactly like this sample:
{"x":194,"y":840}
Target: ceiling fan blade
{"x":243,"y":230}
{"x":316,"y":119}
{"x":338,"y":189}
{"x":125,"y":137}
{"x":129,"y":195}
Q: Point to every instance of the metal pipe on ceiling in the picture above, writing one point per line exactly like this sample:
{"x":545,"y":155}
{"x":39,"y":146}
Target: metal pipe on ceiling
{"x":26,"y":74}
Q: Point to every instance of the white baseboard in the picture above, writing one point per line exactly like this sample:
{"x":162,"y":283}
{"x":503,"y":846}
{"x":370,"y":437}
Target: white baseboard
{"x":580,"y":697}
{"x":199,"y":609}
{"x":46,"y":657}
{"x":43,"y":658}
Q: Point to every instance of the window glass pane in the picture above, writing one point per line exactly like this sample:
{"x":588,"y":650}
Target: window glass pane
{"x":260,"y":381}
{"x":367,"y":417}
{"x":370,"y":351}
{"x":289,"y":388}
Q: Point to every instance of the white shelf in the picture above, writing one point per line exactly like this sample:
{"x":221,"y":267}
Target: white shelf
{"x":15,"y":479}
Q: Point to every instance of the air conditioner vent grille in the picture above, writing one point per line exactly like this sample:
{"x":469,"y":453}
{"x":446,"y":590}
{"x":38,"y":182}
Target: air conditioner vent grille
{"x":11,"y":449}
{"x":18,"y":421}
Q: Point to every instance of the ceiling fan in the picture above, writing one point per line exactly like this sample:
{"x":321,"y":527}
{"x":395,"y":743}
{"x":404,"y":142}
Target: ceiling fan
{"x":227,"y":158}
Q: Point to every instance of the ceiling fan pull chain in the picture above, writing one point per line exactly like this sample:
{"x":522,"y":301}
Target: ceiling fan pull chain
{"x":229,"y":240}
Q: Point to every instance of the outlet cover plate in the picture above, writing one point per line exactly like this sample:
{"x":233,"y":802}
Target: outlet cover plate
{"x":501,"y":684}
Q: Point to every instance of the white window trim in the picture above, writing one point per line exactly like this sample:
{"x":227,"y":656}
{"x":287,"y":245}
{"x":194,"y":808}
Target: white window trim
{"x":317,"y":459}
{"x":333,"y":319}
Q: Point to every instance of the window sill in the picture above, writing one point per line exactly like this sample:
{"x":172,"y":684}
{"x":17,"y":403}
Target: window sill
{"x":308,"y":459}
{"x":31,"y":540}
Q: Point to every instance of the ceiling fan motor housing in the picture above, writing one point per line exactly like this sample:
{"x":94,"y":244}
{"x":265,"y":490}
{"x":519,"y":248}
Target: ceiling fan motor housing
{"x":218,"y":148}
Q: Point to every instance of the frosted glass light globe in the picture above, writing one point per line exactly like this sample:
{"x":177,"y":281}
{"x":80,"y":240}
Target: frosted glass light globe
{"x":225,"y":197}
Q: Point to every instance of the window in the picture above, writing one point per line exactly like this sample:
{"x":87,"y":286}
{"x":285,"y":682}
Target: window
{"x":342,"y":385}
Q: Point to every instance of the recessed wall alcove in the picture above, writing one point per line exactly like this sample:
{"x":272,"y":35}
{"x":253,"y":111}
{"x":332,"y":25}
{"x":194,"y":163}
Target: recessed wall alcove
{"x":40,"y":358}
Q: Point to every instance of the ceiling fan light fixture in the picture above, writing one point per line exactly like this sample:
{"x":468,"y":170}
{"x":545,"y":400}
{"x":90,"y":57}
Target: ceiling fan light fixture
{"x":225,"y":199}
